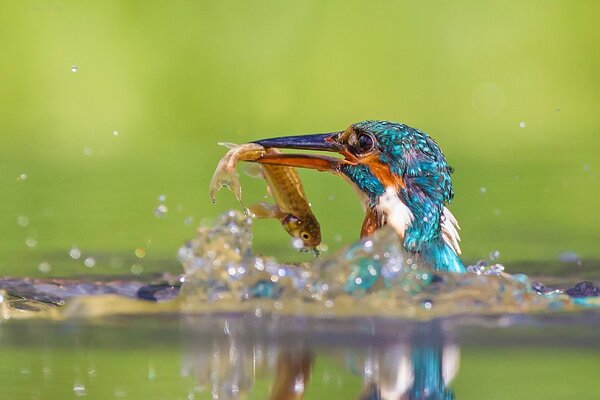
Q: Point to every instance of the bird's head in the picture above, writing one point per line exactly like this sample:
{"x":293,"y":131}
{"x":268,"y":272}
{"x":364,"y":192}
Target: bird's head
{"x":401,"y":170}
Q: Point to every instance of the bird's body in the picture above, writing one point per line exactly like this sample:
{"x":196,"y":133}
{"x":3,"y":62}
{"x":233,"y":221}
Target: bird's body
{"x":404,"y":179}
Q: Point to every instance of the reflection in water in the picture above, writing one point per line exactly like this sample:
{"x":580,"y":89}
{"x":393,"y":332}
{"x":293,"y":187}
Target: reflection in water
{"x":417,"y":365}
{"x":291,"y":374}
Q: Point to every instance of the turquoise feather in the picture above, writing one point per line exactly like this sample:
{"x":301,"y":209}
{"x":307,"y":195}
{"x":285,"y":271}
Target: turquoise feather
{"x":417,"y":159}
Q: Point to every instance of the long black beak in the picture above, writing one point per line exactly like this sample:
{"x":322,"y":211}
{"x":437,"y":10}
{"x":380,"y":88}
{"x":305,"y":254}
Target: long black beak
{"x":319,"y":142}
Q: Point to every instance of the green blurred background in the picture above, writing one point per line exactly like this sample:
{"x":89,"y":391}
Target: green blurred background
{"x":510,"y":90}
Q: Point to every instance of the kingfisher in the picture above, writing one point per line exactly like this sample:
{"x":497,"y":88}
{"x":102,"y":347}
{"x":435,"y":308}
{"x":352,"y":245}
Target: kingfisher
{"x":401,"y":175}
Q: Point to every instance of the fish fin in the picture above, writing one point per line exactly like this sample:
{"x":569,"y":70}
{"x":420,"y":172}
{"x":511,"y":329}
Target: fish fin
{"x":269,"y":192}
{"x":228,"y":145}
{"x":253,"y":170}
{"x":225,"y":174}
{"x":225,"y":178}
{"x":264,"y":210}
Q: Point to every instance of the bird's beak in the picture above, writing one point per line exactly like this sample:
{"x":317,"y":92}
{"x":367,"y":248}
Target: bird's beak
{"x":319,"y":142}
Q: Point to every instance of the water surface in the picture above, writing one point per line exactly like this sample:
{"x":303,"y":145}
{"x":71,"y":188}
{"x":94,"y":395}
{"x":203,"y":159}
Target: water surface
{"x":367,"y":322}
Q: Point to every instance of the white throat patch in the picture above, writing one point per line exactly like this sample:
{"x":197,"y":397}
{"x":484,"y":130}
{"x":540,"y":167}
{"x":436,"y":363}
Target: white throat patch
{"x":398,"y":214}
{"x":400,"y":217}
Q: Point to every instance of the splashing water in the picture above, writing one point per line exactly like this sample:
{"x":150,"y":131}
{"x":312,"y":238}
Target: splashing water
{"x":374,"y":276}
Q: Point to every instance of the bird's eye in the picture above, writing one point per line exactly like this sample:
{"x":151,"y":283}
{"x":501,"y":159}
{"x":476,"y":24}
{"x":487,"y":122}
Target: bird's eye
{"x":364,"y":143}
{"x":305,"y":235}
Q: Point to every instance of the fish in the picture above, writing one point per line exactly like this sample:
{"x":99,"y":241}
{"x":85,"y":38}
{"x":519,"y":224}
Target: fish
{"x":291,"y":207}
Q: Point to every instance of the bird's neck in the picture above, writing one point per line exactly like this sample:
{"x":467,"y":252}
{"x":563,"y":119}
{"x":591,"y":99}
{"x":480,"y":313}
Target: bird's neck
{"x":417,"y":216}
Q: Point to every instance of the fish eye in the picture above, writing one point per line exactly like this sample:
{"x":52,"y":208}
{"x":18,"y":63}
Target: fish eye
{"x":364,"y":143}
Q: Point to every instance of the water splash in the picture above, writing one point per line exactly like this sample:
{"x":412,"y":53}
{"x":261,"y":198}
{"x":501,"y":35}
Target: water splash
{"x":372,"y":277}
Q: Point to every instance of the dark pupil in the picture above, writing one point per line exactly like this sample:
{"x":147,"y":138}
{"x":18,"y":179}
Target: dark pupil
{"x":365,"y":143}
{"x":305,"y":235}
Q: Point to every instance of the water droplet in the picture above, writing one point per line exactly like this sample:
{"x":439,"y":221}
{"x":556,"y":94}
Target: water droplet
{"x":427,"y":304}
{"x":162,"y":198}
{"x":372,"y":270}
{"x":494,"y":255}
{"x":44,"y":267}
{"x":115,"y":133}
{"x":89,"y":262}
{"x":522,"y":124}
{"x":569,"y":257}
{"x":75,"y":253}
{"x":79,"y":389}
{"x":88,"y":151}
{"x":299,"y":385}
{"x":482,"y":189}
{"x":495,"y":269}
{"x":151,"y":373}
{"x":161,"y":210}
{"x":140,"y":252}
{"x":259,"y":264}
{"x":23,"y":220}
{"x":74,"y":68}
{"x":329,"y":303}
{"x":30,"y":242}
{"x":137,"y":269}
{"x":297,"y":243}
{"x":22,"y":177}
